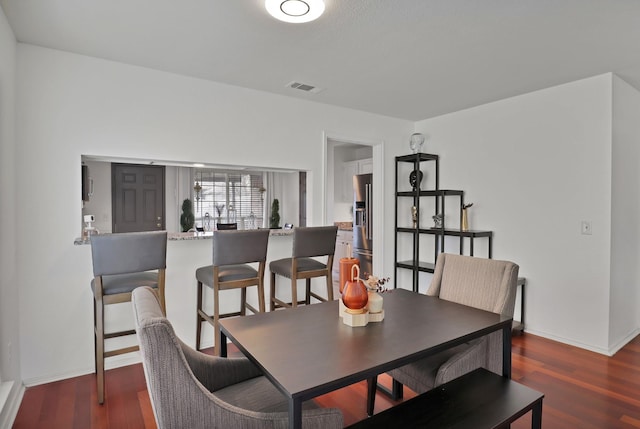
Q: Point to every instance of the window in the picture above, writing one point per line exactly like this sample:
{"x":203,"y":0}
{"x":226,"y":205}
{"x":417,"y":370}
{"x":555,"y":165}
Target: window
{"x":227,"y":197}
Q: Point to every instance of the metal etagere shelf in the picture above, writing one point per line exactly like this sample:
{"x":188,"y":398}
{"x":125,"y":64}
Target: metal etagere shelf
{"x":404,"y":191}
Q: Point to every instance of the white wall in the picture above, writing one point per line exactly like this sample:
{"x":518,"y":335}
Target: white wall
{"x":535,"y":166}
{"x":69,"y":105}
{"x":9,"y":286}
{"x":624,"y":306}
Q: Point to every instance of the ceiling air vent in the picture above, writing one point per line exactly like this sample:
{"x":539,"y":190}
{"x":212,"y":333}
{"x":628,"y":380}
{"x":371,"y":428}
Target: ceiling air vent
{"x":304,"y":87}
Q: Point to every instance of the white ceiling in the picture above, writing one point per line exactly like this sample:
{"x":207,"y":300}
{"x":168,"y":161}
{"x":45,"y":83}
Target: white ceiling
{"x":410,"y":59}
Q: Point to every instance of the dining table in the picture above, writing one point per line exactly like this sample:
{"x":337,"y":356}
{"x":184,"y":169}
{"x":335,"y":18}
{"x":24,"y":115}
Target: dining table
{"x":308,"y":351}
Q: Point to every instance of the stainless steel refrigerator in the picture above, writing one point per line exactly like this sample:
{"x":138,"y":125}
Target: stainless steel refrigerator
{"x":363,"y":222}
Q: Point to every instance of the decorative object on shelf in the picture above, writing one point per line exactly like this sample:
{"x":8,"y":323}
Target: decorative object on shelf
{"x":197,"y":189}
{"x":274,"y":220}
{"x":415,"y":177}
{"x":354,"y":294}
{"x":219,"y":208}
{"x":465,"y":220}
{"x":252,"y":221}
{"x":187,"y":219}
{"x":437,"y":220}
{"x":415,"y":142}
{"x":231,"y":214}
{"x":414,"y":216}
{"x":207,"y":222}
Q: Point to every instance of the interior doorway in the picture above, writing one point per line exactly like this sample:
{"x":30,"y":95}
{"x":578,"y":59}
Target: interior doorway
{"x":345,"y":158}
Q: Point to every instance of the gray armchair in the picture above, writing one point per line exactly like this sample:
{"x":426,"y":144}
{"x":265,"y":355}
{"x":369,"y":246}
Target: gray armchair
{"x":486,"y":284}
{"x":189,"y":389}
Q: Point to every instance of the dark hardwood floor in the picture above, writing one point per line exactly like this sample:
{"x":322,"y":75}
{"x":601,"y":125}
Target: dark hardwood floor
{"x":582,"y":390}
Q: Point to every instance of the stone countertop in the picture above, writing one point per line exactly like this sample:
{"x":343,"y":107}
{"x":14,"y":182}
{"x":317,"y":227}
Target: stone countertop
{"x":182,"y":236}
{"x":344,"y":226}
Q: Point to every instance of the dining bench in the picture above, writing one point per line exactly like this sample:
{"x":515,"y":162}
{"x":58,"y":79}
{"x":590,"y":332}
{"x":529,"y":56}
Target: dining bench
{"x":480,"y":399}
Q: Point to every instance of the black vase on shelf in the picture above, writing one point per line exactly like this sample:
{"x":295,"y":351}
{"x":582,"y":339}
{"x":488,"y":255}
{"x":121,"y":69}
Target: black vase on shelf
{"x":415,"y":177}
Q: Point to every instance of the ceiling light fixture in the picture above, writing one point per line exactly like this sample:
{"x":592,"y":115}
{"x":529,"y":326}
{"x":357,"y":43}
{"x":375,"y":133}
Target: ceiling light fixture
{"x":295,"y":11}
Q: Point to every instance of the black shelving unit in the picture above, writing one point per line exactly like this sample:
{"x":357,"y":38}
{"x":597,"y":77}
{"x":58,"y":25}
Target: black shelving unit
{"x":426,"y":263}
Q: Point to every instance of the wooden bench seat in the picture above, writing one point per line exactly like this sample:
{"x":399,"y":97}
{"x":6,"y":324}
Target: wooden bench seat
{"x":479,"y":399}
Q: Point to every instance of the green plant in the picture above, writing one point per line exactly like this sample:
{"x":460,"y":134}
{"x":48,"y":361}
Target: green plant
{"x":274,"y":220}
{"x":187,"y":219}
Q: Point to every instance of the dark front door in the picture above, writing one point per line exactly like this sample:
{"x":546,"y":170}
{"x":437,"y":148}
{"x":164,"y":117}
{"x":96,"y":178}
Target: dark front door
{"x":137,"y":197}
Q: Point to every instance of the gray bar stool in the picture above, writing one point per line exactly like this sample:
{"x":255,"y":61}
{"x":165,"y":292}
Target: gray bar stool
{"x":308,"y":242}
{"x":232,"y":252}
{"x":121,"y":263}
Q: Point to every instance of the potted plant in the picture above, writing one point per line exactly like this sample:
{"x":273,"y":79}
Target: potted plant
{"x":187,"y":218}
{"x":274,"y":220}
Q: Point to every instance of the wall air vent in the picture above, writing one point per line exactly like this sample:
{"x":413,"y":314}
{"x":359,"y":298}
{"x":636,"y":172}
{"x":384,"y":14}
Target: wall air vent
{"x":304,"y":87}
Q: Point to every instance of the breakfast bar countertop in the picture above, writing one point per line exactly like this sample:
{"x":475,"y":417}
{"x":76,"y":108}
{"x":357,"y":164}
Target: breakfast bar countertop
{"x":344,"y":226}
{"x":182,"y":236}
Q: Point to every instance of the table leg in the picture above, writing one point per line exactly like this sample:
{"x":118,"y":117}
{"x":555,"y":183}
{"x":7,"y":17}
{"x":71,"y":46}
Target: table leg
{"x":295,"y":413}
{"x":506,"y":351}
{"x":223,"y":344}
{"x":536,"y":415}
{"x":372,"y":384}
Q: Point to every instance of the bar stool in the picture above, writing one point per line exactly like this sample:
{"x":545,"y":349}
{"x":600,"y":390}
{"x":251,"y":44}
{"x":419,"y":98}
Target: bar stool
{"x":232,"y":252}
{"x":121,"y":263}
{"x":308,"y":242}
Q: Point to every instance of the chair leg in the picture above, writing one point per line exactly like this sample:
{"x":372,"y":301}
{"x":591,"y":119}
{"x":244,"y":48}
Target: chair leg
{"x":261,"y":296}
{"x":100,"y":348}
{"x":294,"y":291}
{"x":161,"y":291}
{"x":199,"y":318}
{"x":95,"y":336}
{"x":329,"y":286}
{"x":243,"y":301}
{"x":272,"y":292}
{"x":307,"y":294}
{"x":216,"y":318}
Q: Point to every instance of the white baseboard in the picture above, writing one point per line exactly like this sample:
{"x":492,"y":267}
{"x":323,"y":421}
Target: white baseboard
{"x":110,"y":363}
{"x":10,"y":399}
{"x":569,"y":342}
{"x":623,"y":342}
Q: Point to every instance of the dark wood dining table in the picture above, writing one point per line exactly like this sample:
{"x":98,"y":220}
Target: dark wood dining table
{"x":308,"y":351}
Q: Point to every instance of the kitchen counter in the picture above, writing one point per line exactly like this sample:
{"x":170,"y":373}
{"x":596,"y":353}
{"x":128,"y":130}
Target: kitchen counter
{"x":185,"y":236}
{"x":344,"y":226}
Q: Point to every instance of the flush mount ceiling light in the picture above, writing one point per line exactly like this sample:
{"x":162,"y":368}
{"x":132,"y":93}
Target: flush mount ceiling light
{"x":295,"y":11}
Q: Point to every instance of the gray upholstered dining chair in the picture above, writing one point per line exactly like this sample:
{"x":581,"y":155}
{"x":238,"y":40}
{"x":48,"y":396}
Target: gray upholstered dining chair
{"x":233,"y":251}
{"x":487,"y":284}
{"x":308,"y":243}
{"x":189,"y":389}
{"x":121,"y":263}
